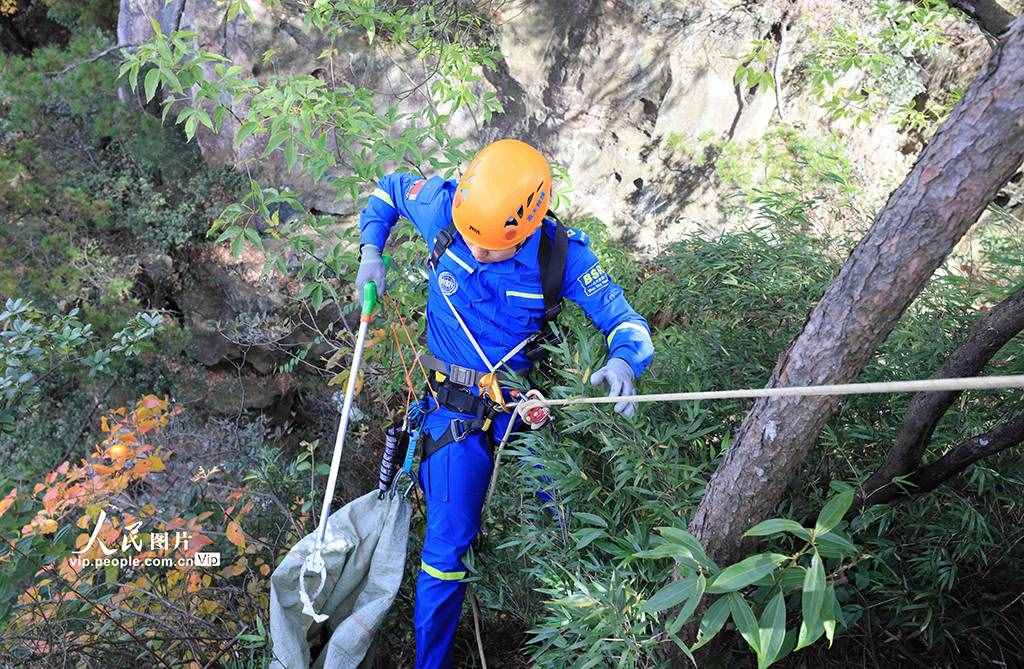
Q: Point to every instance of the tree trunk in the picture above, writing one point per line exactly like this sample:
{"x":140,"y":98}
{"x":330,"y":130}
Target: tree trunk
{"x":984,"y":340}
{"x":956,"y":176}
{"x":990,"y":16}
{"x":1008,"y":435}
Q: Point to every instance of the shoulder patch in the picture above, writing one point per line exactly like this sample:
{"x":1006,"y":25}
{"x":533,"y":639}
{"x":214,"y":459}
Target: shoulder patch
{"x":593,"y":280}
{"x":575,"y":234}
{"x":415,"y":189}
{"x":424,"y":191}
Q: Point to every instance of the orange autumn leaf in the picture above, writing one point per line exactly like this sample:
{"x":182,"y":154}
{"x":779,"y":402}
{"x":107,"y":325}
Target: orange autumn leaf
{"x":236,"y":569}
{"x":193,"y":582}
{"x":265,"y":569}
{"x":7,"y":501}
{"x":235,"y":535}
{"x":153,"y":402}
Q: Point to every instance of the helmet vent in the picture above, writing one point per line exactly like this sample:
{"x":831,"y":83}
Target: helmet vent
{"x":511,"y":222}
{"x":529,"y":199}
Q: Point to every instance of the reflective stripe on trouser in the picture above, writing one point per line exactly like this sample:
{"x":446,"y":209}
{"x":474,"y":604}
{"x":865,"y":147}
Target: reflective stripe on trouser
{"x":454,"y":482}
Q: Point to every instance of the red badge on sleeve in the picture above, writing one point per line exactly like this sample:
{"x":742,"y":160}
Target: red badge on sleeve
{"x":415,"y":189}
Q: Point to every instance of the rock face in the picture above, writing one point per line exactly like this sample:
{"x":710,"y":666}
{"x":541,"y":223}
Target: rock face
{"x":599,"y":86}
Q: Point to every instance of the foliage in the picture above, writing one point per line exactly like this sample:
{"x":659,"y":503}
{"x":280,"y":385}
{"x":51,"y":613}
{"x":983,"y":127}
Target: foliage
{"x":755,"y":69}
{"x":861,"y":71}
{"x":94,"y":546}
{"x":83,"y":14}
{"x":35,"y":346}
{"x":776,"y":576}
{"x":318,"y":125}
{"x":584,"y":589}
{"x":792,"y":178}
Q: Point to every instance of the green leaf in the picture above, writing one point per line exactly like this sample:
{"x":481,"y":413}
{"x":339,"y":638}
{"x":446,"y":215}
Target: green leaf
{"x":253,"y":236}
{"x":833,"y":512}
{"x":835,"y":545}
{"x":190,"y":127}
{"x":670,"y":595}
{"x":791,"y":578}
{"x":772,"y":630}
{"x":745,"y":621}
{"x":152,"y":81}
{"x":689,"y":607}
{"x":584,"y":537}
{"x":745,"y":572}
{"x":776,"y":526}
{"x":684,"y":538}
{"x":276,"y":139}
{"x":291,"y":154}
{"x":248,"y":128}
{"x":712,"y":622}
{"x":591,"y":519}
{"x":831,"y":613}
{"x":236,"y":244}
{"x":812,"y":597}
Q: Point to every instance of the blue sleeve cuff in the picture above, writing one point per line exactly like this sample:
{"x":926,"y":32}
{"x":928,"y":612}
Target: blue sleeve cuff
{"x":631,"y":341}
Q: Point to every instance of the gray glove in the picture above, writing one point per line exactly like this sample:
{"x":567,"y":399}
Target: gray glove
{"x":619,"y":376}
{"x":371,"y":268}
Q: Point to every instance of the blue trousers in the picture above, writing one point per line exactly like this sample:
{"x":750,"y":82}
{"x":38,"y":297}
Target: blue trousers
{"x":454,"y":481}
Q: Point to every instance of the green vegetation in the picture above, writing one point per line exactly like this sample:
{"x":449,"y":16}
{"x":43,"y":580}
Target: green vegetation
{"x":89,"y":186}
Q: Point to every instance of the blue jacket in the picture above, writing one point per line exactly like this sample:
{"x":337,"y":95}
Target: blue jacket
{"x":502,"y":302}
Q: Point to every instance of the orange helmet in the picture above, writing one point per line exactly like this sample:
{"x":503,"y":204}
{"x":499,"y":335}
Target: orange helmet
{"x":503,"y":196}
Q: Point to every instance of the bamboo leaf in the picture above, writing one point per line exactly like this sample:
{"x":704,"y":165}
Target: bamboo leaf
{"x":812,"y":598}
{"x":745,"y":621}
{"x":689,"y":607}
{"x":151,"y":82}
{"x":777,"y":526}
{"x":712,"y":622}
{"x":745,"y":572}
{"x":670,"y":595}
{"x":833,"y":512}
{"x":772,"y":630}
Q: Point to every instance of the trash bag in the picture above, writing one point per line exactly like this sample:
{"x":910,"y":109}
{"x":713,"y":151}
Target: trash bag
{"x":364,"y":555}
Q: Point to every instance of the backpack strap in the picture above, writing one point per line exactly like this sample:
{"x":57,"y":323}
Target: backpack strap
{"x":552,"y":257}
{"x":443,"y":240}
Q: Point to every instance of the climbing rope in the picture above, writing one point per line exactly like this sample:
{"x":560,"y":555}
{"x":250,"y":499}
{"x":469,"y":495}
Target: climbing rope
{"x":874,"y":388}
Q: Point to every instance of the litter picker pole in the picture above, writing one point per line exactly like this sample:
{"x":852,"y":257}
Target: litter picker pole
{"x":365,"y":318}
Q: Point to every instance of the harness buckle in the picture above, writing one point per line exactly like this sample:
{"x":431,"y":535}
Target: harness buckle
{"x":464,"y":376}
{"x":459,"y":429}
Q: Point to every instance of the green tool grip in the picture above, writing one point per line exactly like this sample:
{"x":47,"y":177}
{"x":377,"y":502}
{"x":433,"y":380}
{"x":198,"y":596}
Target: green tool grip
{"x":370,"y":291}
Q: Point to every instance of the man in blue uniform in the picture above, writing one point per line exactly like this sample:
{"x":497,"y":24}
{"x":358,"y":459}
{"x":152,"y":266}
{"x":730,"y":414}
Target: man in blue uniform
{"x":498,"y":269}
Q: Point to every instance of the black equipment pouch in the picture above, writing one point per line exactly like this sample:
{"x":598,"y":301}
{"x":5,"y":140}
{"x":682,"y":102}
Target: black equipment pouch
{"x":396,"y":442}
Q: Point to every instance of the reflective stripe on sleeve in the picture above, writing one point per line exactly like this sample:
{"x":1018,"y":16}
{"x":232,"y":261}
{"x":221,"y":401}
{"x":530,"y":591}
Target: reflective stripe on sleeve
{"x":382,"y":196}
{"x":442,"y":575}
{"x":628,"y":325}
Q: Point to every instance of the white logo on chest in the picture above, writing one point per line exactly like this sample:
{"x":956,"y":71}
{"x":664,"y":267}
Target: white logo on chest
{"x":447,"y":283}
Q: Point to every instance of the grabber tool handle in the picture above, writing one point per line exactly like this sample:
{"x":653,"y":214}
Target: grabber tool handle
{"x":370,"y":292}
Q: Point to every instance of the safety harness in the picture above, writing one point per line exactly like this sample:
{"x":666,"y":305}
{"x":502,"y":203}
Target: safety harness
{"x":451,"y":384}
